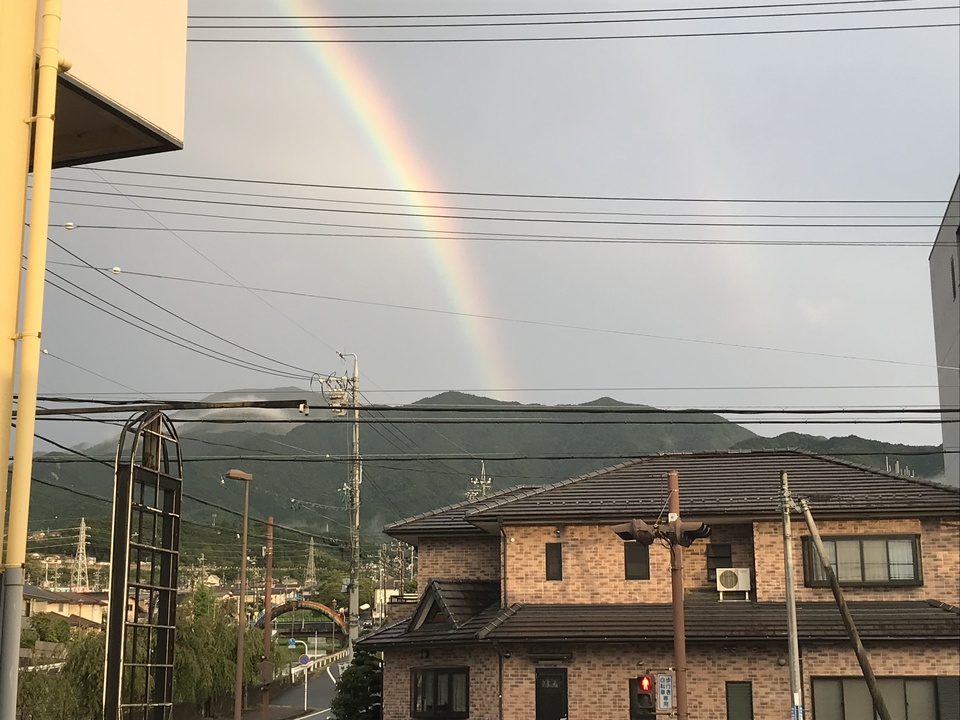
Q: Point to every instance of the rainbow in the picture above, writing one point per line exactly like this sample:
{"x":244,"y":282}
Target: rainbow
{"x":370,"y":106}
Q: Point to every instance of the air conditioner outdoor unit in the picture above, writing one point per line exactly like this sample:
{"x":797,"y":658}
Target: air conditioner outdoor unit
{"x":733,"y":580}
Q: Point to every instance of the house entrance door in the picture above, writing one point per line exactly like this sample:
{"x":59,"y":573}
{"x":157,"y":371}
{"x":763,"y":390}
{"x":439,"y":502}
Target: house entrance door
{"x":551,"y":694}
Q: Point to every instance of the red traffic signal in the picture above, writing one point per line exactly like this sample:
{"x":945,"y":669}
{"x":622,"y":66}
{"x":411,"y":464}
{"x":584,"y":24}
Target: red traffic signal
{"x":637,"y":530}
{"x":645,"y":692}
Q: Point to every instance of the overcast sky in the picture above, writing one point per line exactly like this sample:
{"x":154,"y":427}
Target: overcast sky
{"x":484,"y":285}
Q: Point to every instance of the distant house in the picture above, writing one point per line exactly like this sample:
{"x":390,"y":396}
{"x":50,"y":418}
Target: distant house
{"x":531,"y":607}
{"x":945,"y":292}
{"x":80,"y":609}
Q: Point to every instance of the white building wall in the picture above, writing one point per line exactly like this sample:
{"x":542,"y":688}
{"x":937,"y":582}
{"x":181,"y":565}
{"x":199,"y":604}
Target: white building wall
{"x":945,"y":291}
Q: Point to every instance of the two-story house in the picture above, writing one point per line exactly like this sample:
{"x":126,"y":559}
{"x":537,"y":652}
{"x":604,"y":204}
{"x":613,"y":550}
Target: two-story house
{"x":532,"y":608}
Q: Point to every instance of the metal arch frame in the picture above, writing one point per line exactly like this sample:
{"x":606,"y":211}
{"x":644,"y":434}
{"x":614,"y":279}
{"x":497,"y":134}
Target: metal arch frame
{"x":292,"y":605}
{"x":145,"y":544}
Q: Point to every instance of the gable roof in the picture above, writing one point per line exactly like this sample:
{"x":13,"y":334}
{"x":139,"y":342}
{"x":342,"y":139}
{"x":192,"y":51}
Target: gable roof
{"x":467,"y":606}
{"x":719,"y":486}
{"x":448,"y":520}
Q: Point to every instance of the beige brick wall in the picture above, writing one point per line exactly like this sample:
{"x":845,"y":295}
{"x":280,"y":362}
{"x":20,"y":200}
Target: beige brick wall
{"x":461,"y":558}
{"x":593,"y":569}
{"x":891,"y":659}
{"x":484,"y":678}
{"x":598,"y":677}
{"x":940,"y":559}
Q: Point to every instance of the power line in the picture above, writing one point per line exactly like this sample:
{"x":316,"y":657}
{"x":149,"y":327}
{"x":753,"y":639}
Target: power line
{"x":473,"y":208}
{"x":567,"y":13}
{"x":561,"y":38}
{"x":478,"y":22}
{"x":161,"y":307}
{"x":186,"y":344}
{"x":520,"y":321}
{"x":500,"y":219}
{"x":618,"y":198}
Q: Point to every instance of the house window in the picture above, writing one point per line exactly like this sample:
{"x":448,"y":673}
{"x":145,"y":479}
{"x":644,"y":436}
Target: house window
{"x":440,"y":693}
{"x":636,"y":561}
{"x":719,"y":555}
{"x":740,"y":701}
{"x":849,"y":699}
{"x":866,"y":560}
{"x":554,"y":561}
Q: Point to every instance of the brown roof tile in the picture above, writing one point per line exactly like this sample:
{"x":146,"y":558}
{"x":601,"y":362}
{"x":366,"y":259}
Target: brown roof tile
{"x":716,"y":621}
{"x":717,"y":486}
{"x":448,"y":520}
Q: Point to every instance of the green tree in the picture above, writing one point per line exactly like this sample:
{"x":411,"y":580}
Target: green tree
{"x":51,"y":627}
{"x":205,"y":651}
{"x":83,"y":671}
{"x":45,"y":695}
{"x":360,"y":690}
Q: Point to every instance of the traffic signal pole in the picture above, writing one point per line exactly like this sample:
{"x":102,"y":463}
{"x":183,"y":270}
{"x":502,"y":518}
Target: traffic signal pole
{"x":676,"y":578}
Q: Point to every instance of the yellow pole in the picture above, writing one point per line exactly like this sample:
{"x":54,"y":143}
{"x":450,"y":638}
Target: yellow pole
{"x":18,"y":29}
{"x":50,"y":63}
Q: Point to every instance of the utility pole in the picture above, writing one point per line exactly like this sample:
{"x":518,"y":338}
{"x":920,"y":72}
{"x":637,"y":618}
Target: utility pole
{"x":354,"y":617}
{"x":336,"y":393}
{"x":79,"y":579}
{"x":793,"y":644}
{"x":676,"y":534}
{"x":878,"y":704}
{"x":676,"y":577}
{"x":267,"y":612}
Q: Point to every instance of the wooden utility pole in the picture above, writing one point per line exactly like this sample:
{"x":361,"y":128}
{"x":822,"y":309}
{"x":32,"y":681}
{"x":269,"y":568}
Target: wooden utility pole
{"x":879,"y":705}
{"x":676,"y":576}
{"x":267,"y":612}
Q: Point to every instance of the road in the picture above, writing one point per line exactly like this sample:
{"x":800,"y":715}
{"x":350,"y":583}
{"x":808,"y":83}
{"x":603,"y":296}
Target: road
{"x":320,"y":691}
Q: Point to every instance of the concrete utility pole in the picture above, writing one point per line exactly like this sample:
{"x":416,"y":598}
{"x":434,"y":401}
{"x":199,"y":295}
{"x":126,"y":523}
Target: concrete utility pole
{"x":49,"y":67}
{"x":336,"y":394}
{"x":793,"y":644}
{"x":267,"y":612}
{"x":355,"y":479}
{"x":879,"y":705}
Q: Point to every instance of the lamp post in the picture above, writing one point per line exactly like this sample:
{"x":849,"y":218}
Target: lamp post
{"x":241,"y":614}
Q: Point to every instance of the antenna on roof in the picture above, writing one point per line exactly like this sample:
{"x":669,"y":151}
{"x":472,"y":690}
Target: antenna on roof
{"x":480,"y":485}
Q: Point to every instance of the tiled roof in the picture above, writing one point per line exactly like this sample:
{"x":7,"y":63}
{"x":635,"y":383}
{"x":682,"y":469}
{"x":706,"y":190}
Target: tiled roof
{"x":463,"y":599}
{"x":449,"y":520}
{"x":716,"y":486}
{"x":397,"y":634}
{"x":716,"y":621}
{"x":706,"y":621}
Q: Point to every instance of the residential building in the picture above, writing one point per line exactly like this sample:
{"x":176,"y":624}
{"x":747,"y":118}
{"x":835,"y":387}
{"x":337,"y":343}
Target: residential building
{"x":945,"y":293}
{"x":532,"y":607}
{"x":79,"y":609}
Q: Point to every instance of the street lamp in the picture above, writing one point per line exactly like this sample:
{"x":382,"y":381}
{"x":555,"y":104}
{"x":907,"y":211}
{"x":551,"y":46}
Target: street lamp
{"x":241,"y":615}
{"x":293,"y":643}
